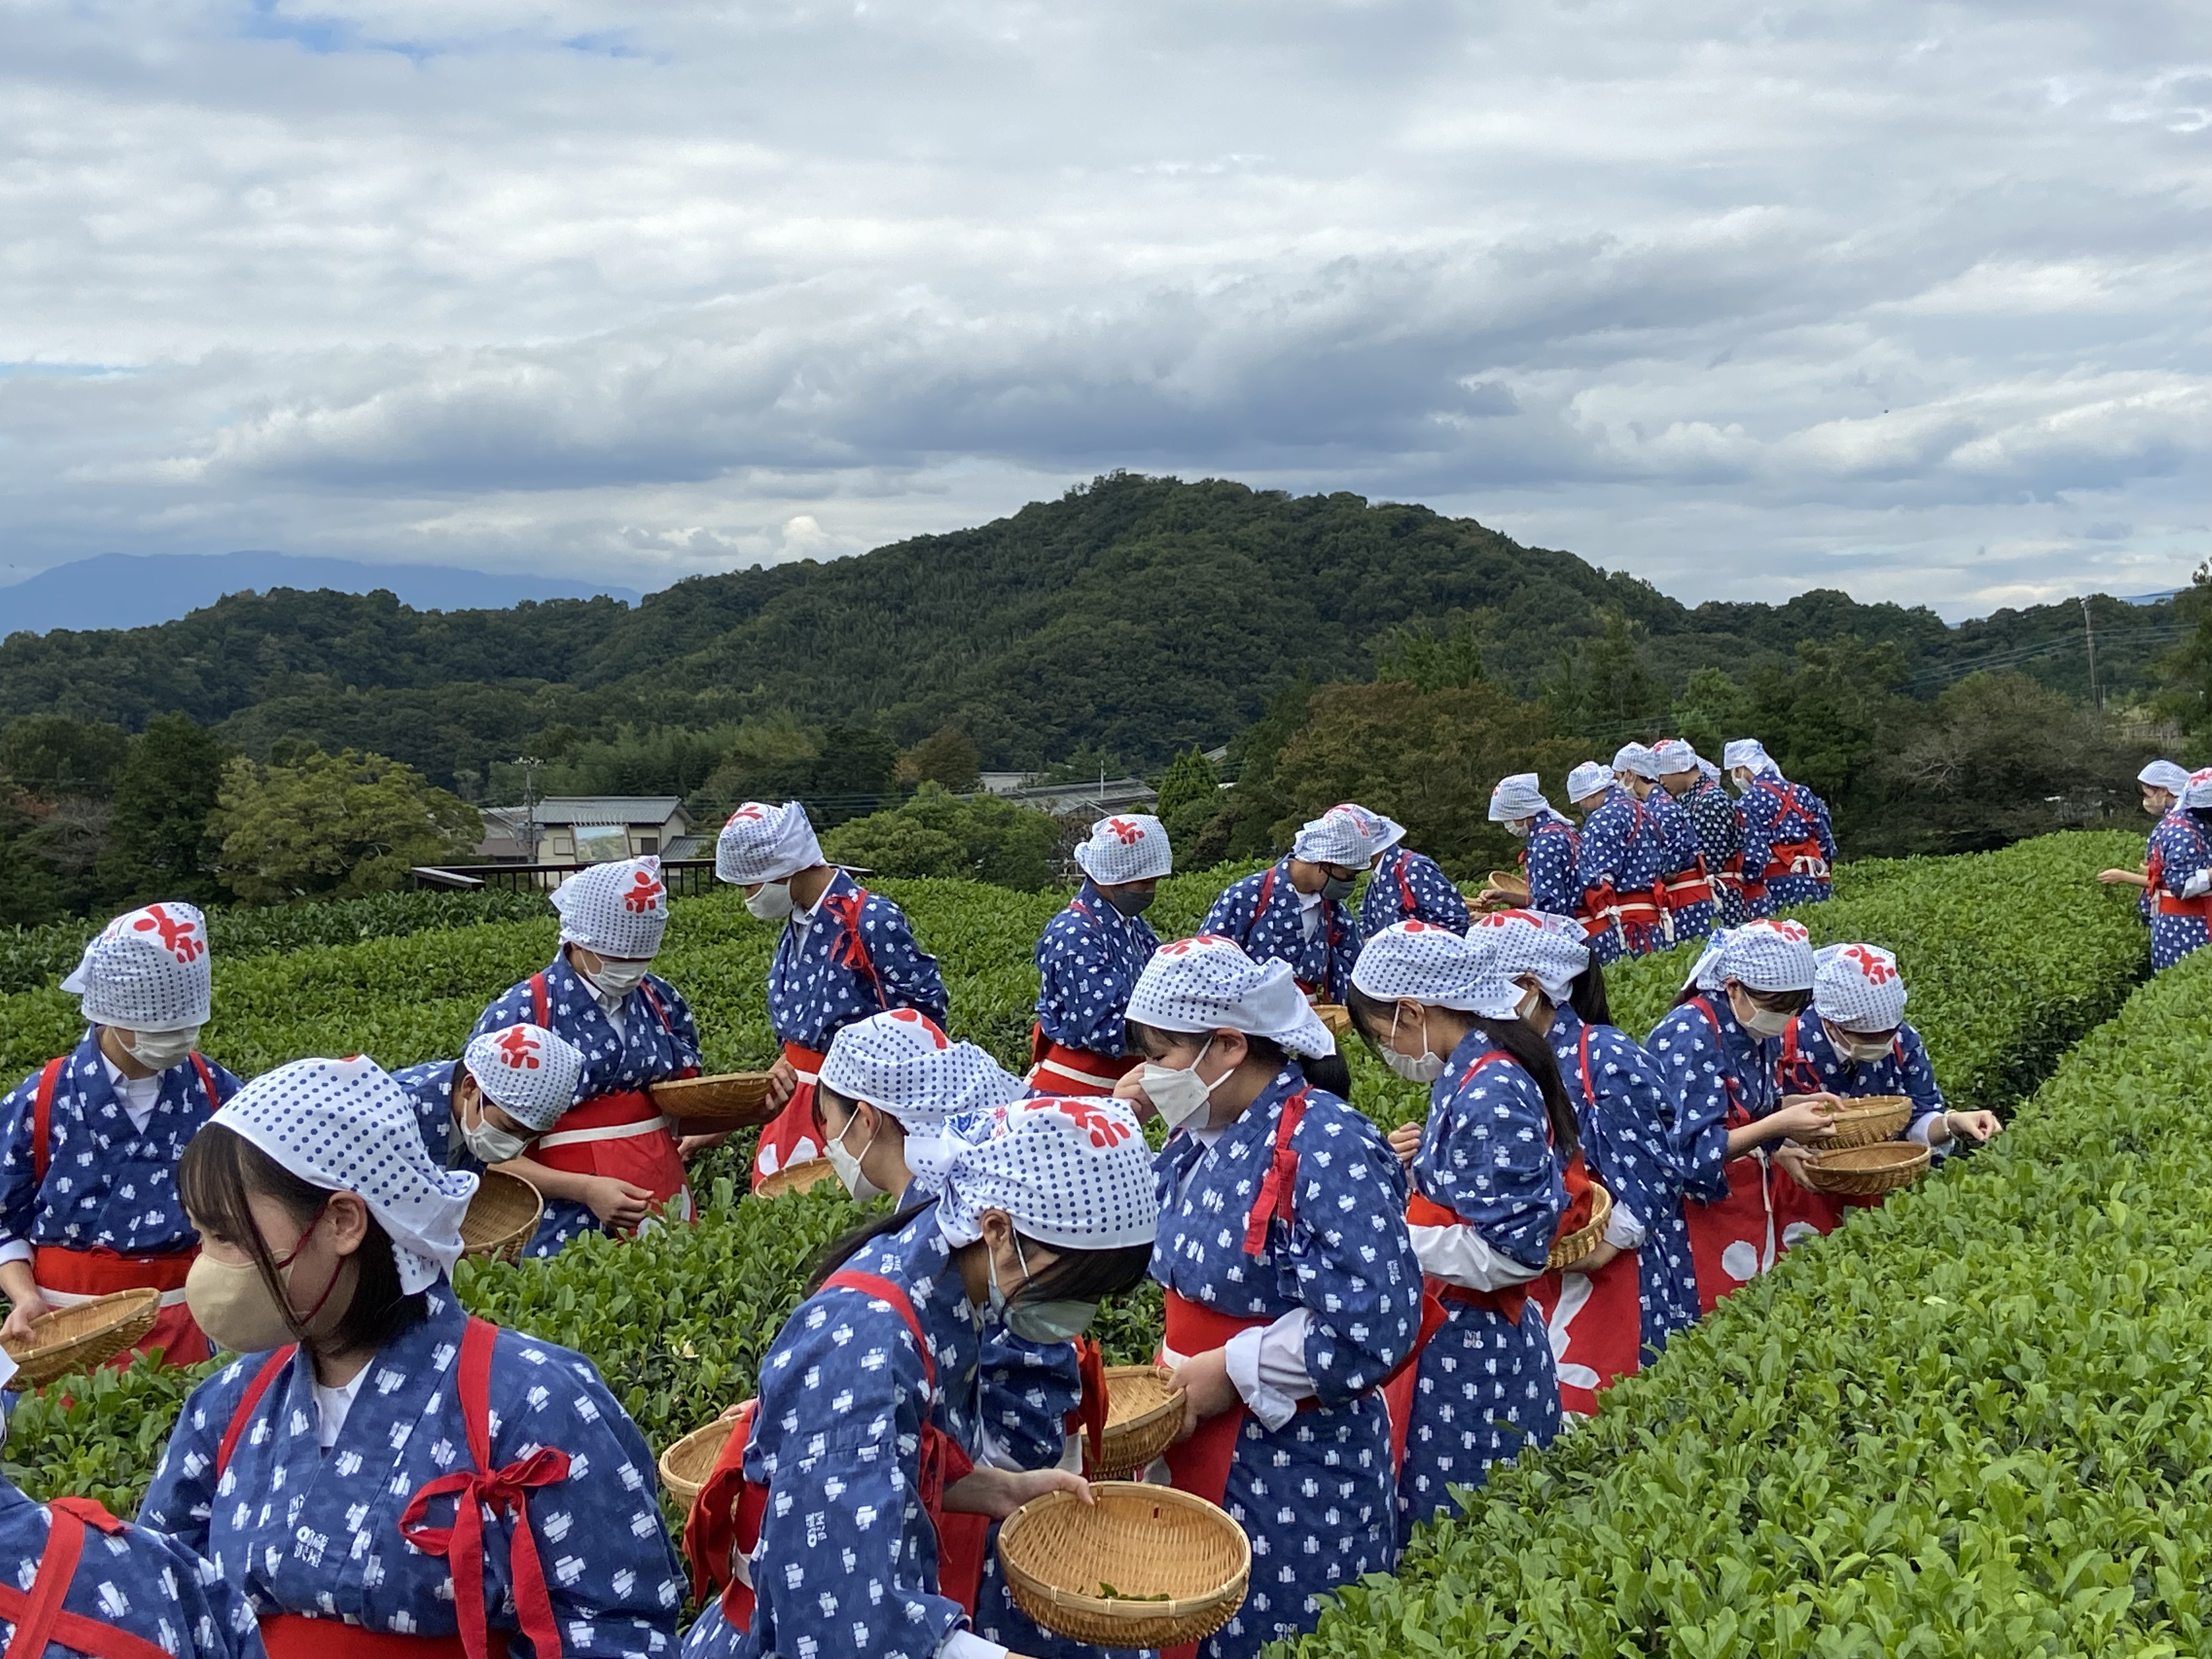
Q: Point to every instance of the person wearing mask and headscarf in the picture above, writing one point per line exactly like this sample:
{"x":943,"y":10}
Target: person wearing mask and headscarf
{"x":1295,"y":911}
{"x":1715,"y":820}
{"x":373,"y":1437}
{"x":1090,"y":955}
{"x":1683,"y":887}
{"x":842,"y":954}
{"x":1788,"y":845}
{"x":2181,"y":875}
{"x":2163,"y":784}
{"x":87,"y":1583}
{"x":825,"y":1524}
{"x":491,"y":1105}
{"x":1292,"y":1290}
{"x":1550,"y":846}
{"x":1406,"y":885}
{"x":1625,"y":855}
{"x":88,"y":1177}
{"x":613,"y":1156}
{"x":1497,"y":1177}
{"x":1719,"y":1046}
{"x":1638,"y":1288}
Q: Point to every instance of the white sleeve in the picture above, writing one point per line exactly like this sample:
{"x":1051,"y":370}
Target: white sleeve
{"x":2198,"y":885}
{"x":15,"y":1249}
{"x":1268,"y":1366}
{"x":966,"y":1644}
{"x":1624,"y":1230}
{"x":1459,"y":1255}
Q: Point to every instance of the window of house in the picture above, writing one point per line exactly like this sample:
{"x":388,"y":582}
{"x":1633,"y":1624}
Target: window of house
{"x":564,"y":844}
{"x":646,"y":844}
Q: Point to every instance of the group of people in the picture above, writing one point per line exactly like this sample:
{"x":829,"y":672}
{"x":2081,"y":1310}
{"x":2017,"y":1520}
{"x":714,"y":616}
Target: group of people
{"x":1359,"y":1323}
{"x":2176,"y":879}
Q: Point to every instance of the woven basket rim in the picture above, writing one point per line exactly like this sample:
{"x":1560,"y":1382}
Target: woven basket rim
{"x":1565,"y":1252}
{"x":1117,"y":1610}
{"x":1130,"y":1442}
{"x":1875,"y":1155}
{"x":682,"y":1485}
{"x":112,"y":1323}
{"x":783,"y":1183}
{"x":498,"y":1188}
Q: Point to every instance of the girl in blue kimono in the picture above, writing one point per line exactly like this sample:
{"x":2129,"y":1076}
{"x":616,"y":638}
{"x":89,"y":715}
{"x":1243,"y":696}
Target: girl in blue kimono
{"x":1715,"y":821}
{"x":1788,"y":845}
{"x":2163,"y":785}
{"x":843,"y":953}
{"x":1491,"y":1181}
{"x":612,"y":1158}
{"x":1682,"y":887}
{"x":1408,"y":886}
{"x":1292,"y":1290}
{"x":1090,"y":956}
{"x":826,"y":1522}
{"x":1553,"y":847}
{"x":2180,"y":875}
{"x":1294,"y":912}
{"x":1626,"y":856}
{"x":373,"y":1437}
{"x":492,"y":1104}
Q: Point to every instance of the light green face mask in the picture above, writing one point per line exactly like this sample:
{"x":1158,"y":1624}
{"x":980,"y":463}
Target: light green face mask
{"x":1045,"y":1323}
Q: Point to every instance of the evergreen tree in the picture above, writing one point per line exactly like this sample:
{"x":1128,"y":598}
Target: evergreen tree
{"x":158,"y":844}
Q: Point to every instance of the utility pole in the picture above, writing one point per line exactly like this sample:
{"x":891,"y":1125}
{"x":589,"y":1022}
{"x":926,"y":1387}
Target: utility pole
{"x":2089,"y":631}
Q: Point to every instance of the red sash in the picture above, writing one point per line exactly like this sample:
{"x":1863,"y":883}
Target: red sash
{"x":1057,"y":1069}
{"x":1802,"y":857}
{"x":502,"y":1492}
{"x":38,"y":1614}
{"x":1691,"y":886}
{"x":620,"y":1134}
{"x":1732,"y":1239}
{"x":2163,"y":903}
{"x":795,"y":1135}
{"x":723,"y":1526}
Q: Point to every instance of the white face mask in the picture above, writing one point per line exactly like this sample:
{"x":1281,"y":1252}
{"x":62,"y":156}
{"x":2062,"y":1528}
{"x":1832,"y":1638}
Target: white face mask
{"x":1519,"y":828}
{"x":157,"y":1051}
{"x":493,"y":1144}
{"x":1178,"y":1091}
{"x":1766,"y":1023}
{"x":1424,"y":1068}
{"x":1529,"y":1004}
{"x":617,"y":980}
{"x":770,"y":901}
{"x":1853,"y":1047}
{"x":848,"y":1164}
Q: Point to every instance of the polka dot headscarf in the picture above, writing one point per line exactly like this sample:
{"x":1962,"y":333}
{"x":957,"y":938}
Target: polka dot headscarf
{"x":1673,"y":755}
{"x":2165,"y":775}
{"x":1074,"y":1174}
{"x":1858,"y":988}
{"x":344,"y":1126}
{"x":902,"y":1063}
{"x":147,"y":971}
{"x":1347,"y":833}
{"x":766,"y":843}
{"x":1209,"y":984}
{"x":1130,"y":847}
{"x":2198,"y":792}
{"x":1752,"y":753}
{"x":1765,"y":955}
{"x":1549,"y":948}
{"x":618,"y":910}
{"x":1436,"y":966}
{"x":527,"y":1071}
{"x":1521,"y":796}
{"x":1588,"y":779}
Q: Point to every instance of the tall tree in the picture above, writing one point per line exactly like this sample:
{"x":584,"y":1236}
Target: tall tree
{"x":333,"y":826}
{"x":159,"y":846}
{"x":1190,"y":795}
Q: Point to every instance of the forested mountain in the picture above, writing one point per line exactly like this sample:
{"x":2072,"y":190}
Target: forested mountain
{"x":1133,"y":617}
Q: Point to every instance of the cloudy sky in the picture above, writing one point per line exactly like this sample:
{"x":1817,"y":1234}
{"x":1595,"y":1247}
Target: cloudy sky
{"x":1745,"y":299}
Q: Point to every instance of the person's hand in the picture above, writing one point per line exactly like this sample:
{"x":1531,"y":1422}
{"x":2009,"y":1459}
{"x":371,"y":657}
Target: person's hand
{"x":1597,"y":1259}
{"x":996,"y":1493}
{"x":2123,"y":879}
{"x":1207,"y":1391}
{"x":690,"y":1145}
{"x":1405,"y":1141}
{"x":1976,"y":1126}
{"x":617,"y":1203}
{"x":1795,"y":1159}
{"x":1803,"y":1117}
{"x":1130,"y":1088}
{"x":782,"y":1083}
{"x":17,"y":1327}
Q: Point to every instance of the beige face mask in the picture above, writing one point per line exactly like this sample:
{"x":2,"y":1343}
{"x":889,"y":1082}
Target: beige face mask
{"x":231,"y":1302}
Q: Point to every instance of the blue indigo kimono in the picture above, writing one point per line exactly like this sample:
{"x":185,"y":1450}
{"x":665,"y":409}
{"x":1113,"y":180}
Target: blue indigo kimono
{"x":1778,"y":815}
{"x":1686,"y":920}
{"x":1551,"y":860}
{"x":108,"y":1185}
{"x":137,"y":1580}
{"x":658,"y":1039}
{"x":1485,"y":1385}
{"x":2178,"y":850}
{"x":847,"y":1560}
{"x":1810,"y":1063}
{"x":1262,"y":913}
{"x":815,"y":990}
{"x":1626,"y":1110}
{"x":1718,"y":827}
{"x":292,"y":1529}
{"x":1625,"y":849}
{"x":429,"y":1089}
{"x":1315,"y":1495}
{"x":1087,"y":965}
{"x":1410,"y":887}
{"x":1711,"y":1071}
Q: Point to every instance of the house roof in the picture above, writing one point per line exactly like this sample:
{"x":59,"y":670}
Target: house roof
{"x":655,"y":810}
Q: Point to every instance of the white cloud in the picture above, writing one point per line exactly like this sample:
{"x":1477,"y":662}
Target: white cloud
{"x":1742,"y":299}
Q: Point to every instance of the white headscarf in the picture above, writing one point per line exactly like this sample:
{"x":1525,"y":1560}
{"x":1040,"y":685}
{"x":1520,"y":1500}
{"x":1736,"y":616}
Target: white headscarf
{"x":765,"y":843}
{"x":618,"y":910}
{"x":1209,"y":984}
{"x":1073,"y":1174}
{"x":901,"y":1062}
{"x":527,"y":1071}
{"x":1132,"y":846}
{"x":1434,"y":966}
{"x":1588,"y":779}
{"x":1675,"y":754}
{"x":2165,"y":775}
{"x":1345,"y":834}
{"x":1858,"y":988}
{"x":1517,"y":797}
{"x":1550,"y":948}
{"x":343,"y":1125}
{"x":1636,"y":758}
{"x":2199,"y":792}
{"x":147,"y":971}
{"x":1765,"y":955}
{"x":1750,"y":753}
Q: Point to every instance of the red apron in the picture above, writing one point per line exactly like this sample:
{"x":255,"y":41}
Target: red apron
{"x":38,"y":1614}
{"x":622,"y":1134}
{"x":1802,"y":857}
{"x":1691,"y":886}
{"x":723,"y":1524}
{"x":500,"y":1492}
{"x":68,"y":1277}
{"x":1057,"y":1069}
{"x":795,"y":1136}
{"x":1731,"y":1240}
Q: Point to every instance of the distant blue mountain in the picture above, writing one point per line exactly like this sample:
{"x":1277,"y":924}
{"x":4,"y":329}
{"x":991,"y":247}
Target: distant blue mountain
{"x":127,"y":590}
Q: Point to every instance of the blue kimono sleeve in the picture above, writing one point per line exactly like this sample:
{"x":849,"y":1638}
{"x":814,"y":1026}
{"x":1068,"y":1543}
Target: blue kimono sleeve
{"x":1602,"y":849}
{"x":181,"y":1497}
{"x":1688,"y":1055}
{"x":1077,"y":987}
{"x":1917,"y":1076}
{"x":1633,"y":1146}
{"x":1551,"y":885}
{"x":1028,"y":1391}
{"x":910,"y":974}
{"x":1822,"y":827}
{"x":1438,"y":900}
{"x":19,"y":1185}
{"x":682,"y":1024}
{"x":1493,"y":1163}
{"x":1232,"y":913}
{"x":1357,"y":1272}
{"x":154,"y":1587}
{"x":512,"y":1006}
{"x":1756,"y":812}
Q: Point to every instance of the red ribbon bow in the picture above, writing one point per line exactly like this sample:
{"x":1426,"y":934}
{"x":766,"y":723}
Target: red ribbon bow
{"x":503,"y":1493}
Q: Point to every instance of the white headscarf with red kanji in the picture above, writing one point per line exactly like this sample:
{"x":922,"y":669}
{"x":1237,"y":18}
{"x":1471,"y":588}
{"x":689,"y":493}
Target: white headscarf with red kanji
{"x":2198,"y":792}
{"x":1206,"y":983}
{"x":761,"y":842}
{"x":1548,"y":948}
{"x":1765,"y":955}
{"x":1674,"y":755}
{"x":1858,"y":988}
{"x":1129,"y":846}
{"x":900,"y":1062}
{"x":1074,"y":1174}
{"x":147,"y":971}
{"x":343,"y":1125}
{"x":1422,"y":962}
{"x":618,"y":910}
{"x":527,"y":1071}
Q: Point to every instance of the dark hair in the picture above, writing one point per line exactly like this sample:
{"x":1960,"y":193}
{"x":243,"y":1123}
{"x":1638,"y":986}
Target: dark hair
{"x":1589,"y":995}
{"x":1075,"y":1275}
{"x":1780,"y":1002}
{"x":1521,"y":1043}
{"x":220,"y":1171}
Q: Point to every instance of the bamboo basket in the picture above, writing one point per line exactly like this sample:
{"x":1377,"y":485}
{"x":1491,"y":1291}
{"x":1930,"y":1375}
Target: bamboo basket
{"x":1511,"y":882}
{"x":501,"y":1215}
{"x":686,"y":1464}
{"x":1335,"y":1015}
{"x":1867,"y":1171}
{"x":1566,"y":1251}
{"x":796,"y":1178}
{"x":80,"y":1339}
{"x":1867,"y":1120}
{"x":1060,"y":1553}
{"x":731,"y":1100}
{"x":1144,"y":1413}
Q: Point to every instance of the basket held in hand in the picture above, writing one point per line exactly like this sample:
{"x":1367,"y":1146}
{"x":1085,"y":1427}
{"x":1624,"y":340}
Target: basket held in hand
{"x":1867,"y":1171}
{"x":1144,"y":1413}
{"x":501,"y":1215}
{"x":1060,"y":1555}
{"x":1863,"y":1121}
{"x":69,"y":1341}
{"x":1566,"y":1251}
{"x":732,"y":1100}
